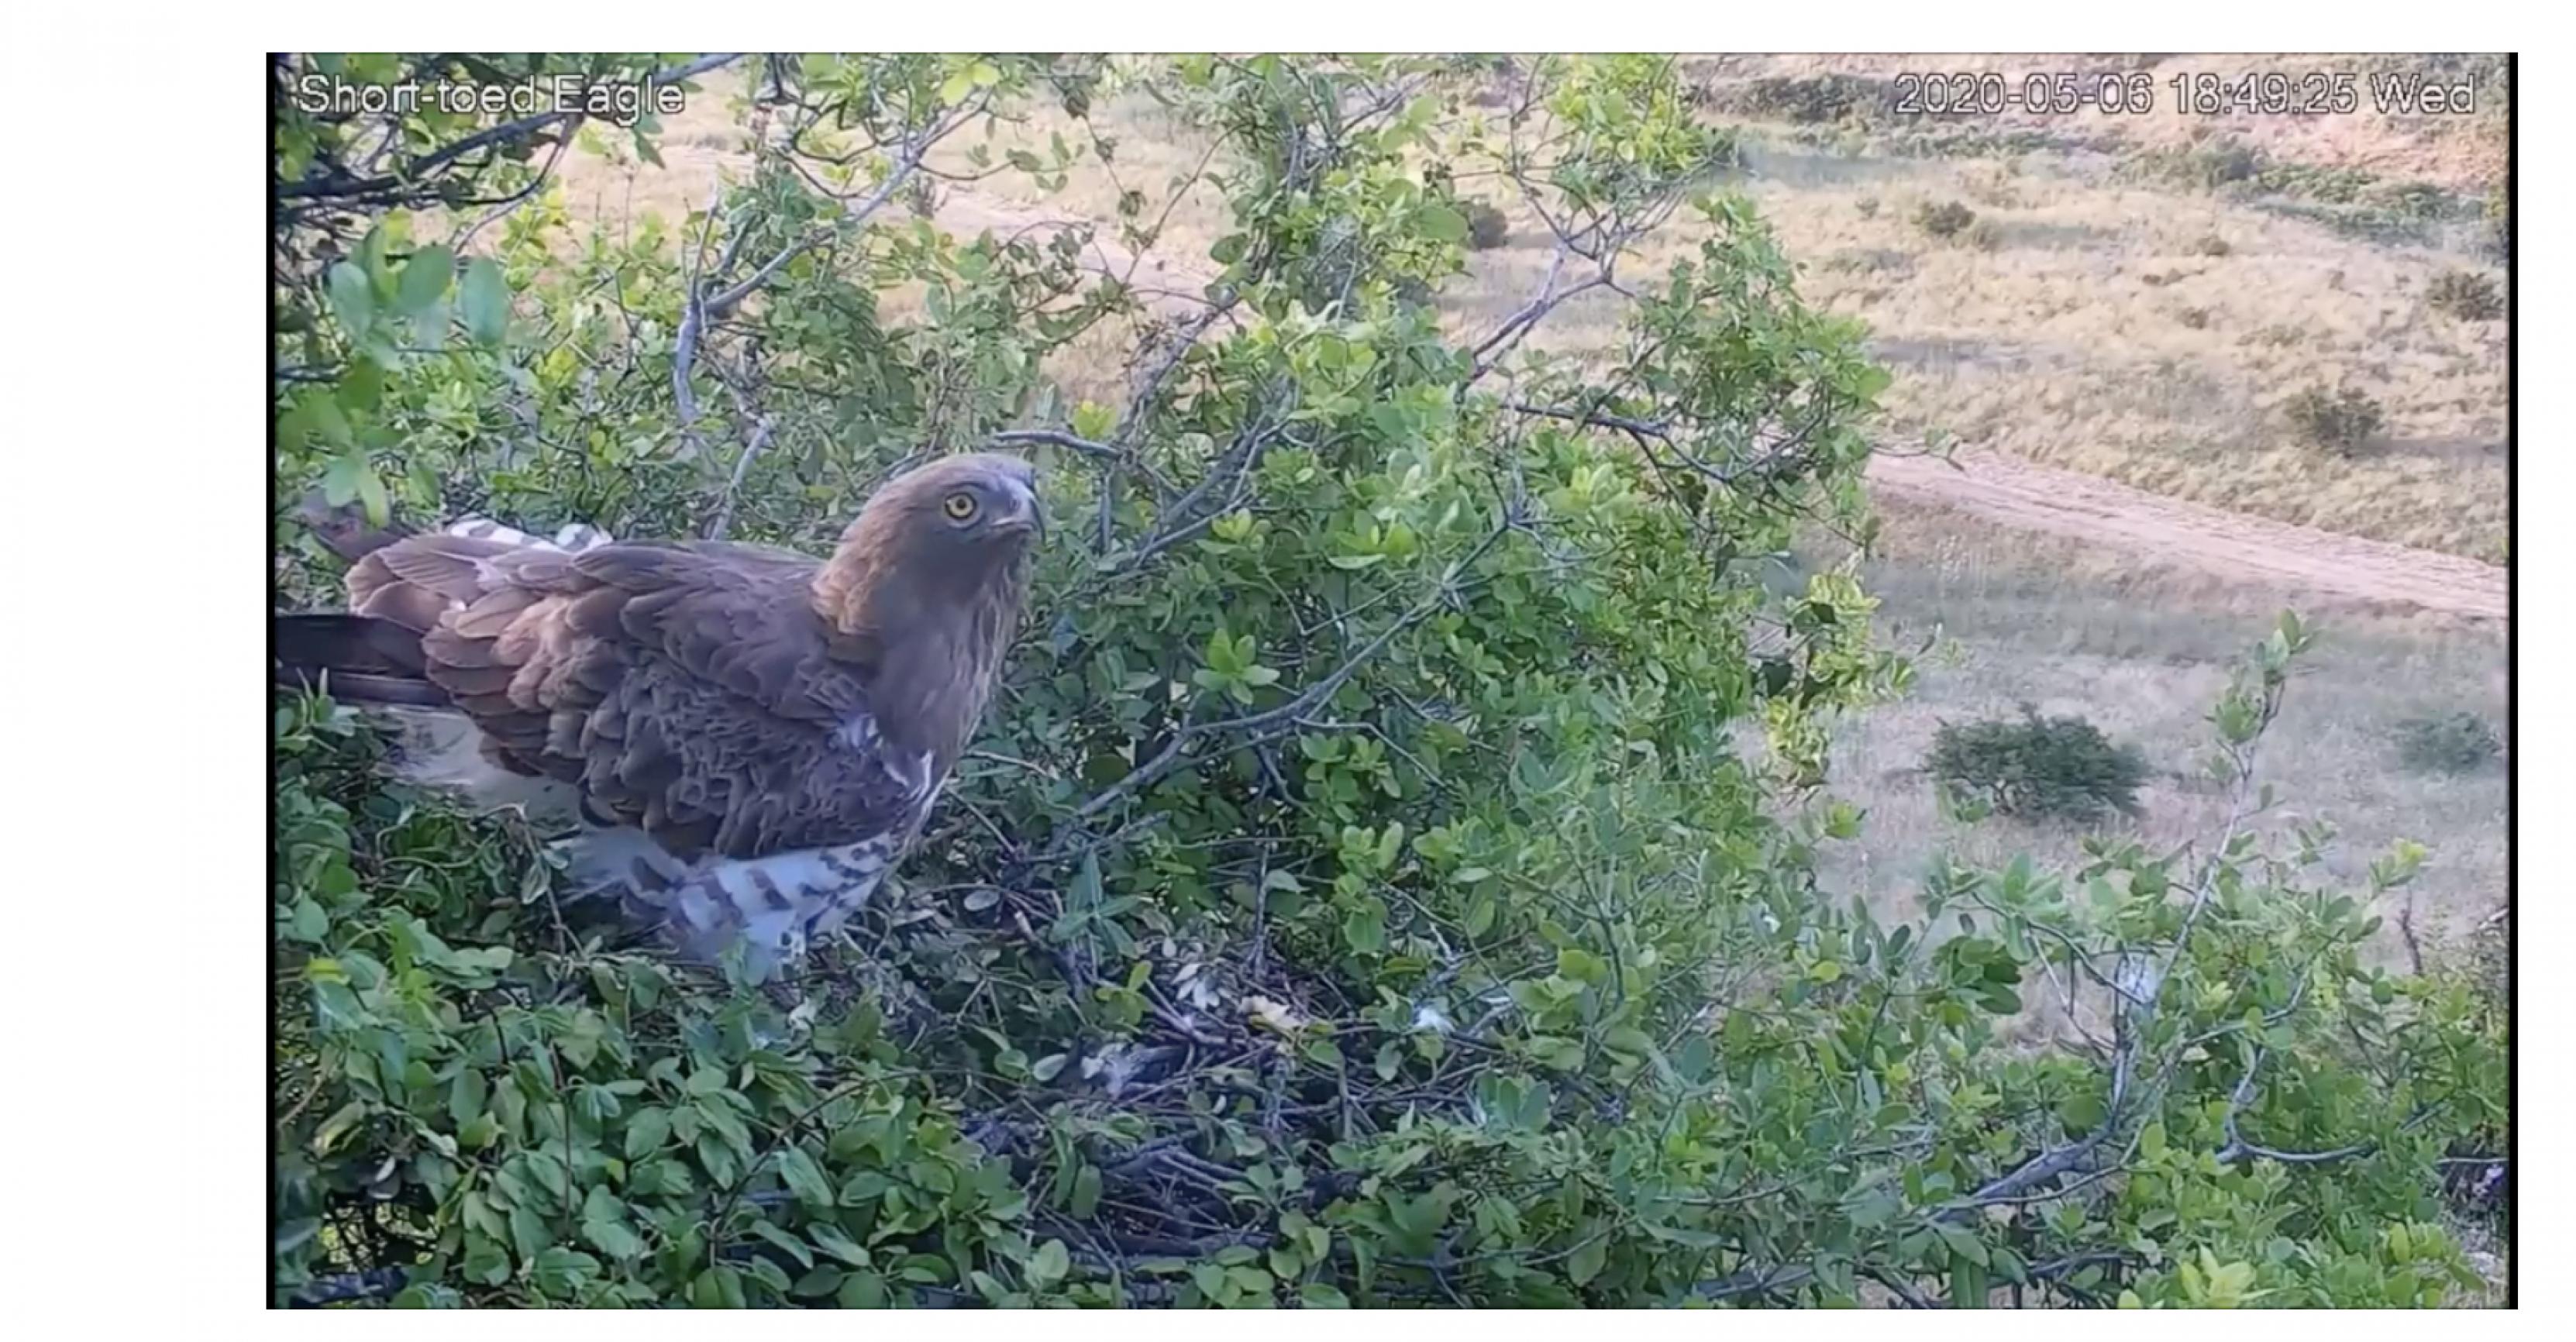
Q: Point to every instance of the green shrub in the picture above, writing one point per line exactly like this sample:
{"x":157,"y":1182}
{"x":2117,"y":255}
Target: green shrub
{"x":2342,"y":422}
{"x":1944,"y":220}
{"x":2060,"y":768}
{"x":1487,"y":226}
{"x":1360,"y":894}
{"x":2465,"y":295}
{"x":2453,"y":743}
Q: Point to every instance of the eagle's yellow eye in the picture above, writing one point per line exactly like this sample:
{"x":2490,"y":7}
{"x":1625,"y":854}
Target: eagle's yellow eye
{"x":959,"y":506}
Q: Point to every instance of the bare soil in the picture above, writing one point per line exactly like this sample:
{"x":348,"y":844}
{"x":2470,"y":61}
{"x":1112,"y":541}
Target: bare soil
{"x":2347,"y":570}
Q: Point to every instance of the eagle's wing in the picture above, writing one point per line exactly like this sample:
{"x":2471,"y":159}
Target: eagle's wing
{"x":690,"y":694}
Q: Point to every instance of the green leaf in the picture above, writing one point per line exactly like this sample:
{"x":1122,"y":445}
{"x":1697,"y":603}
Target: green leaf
{"x":862,"y":1290}
{"x":1092,"y":421}
{"x":560,"y":1272}
{"x":1322,"y":1295}
{"x":1049,"y":1264}
{"x":486,"y":1262}
{"x":484,"y":301}
{"x":468,"y":1094}
{"x":1441,"y":224}
{"x":717,"y":1288}
{"x":795,"y":1247}
{"x":1585,"y":1263}
{"x":613,"y":1239}
{"x":1873,"y":1210}
{"x":424,"y":280}
{"x":340,"y":480}
{"x":1364,"y":929}
{"x":832,"y":1240}
{"x":646,"y":1132}
{"x":1962,"y":1242}
{"x":804,"y":1178}
{"x":371,"y":494}
{"x":1086,"y":1193}
{"x":353,"y":300}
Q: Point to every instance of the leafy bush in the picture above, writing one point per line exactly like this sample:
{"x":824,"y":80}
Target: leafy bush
{"x":1944,"y":220}
{"x":2342,"y":422}
{"x":2466,"y":295}
{"x":1359,"y":895}
{"x":2061,"y":768}
{"x":1487,"y":226}
{"x":2453,"y":743}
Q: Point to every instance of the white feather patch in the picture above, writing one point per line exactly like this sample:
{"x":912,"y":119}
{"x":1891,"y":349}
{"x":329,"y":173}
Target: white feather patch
{"x":773,"y":906}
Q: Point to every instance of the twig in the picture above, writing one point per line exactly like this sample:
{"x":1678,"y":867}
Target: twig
{"x":722,"y":304}
{"x":723,"y":519}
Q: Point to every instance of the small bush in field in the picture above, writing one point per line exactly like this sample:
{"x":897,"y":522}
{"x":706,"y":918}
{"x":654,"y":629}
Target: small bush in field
{"x":2341,"y":422}
{"x":2058,"y":768}
{"x":1945,"y":220}
{"x":2465,"y":295}
{"x":1487,"y":227}
{"x":2454,"y":743}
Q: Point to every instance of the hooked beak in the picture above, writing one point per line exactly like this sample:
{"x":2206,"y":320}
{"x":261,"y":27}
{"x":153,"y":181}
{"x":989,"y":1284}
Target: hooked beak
{"x":1032,"y":514}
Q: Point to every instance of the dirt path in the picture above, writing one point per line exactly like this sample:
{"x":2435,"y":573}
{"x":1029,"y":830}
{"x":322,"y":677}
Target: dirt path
{"x":2021,"y":494}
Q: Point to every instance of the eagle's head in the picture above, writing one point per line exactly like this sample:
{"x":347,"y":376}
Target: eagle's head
{"x":928,"y":585}
{"x":951,"y":533}
{"x":961,"y":513}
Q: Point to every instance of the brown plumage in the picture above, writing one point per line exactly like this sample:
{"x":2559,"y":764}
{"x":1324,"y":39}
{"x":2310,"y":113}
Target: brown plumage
{"x":752,"y":735}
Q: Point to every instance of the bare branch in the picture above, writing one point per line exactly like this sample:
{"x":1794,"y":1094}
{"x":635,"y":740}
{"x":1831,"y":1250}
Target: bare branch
{"x":723,"y":519}
{"x":907,"y":160}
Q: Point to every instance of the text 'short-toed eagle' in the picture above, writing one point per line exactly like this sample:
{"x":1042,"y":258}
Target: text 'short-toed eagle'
{"x":750,"y":737}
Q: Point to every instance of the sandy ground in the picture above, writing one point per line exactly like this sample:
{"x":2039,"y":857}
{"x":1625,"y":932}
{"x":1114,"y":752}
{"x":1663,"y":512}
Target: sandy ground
{"x":2347,"y":570}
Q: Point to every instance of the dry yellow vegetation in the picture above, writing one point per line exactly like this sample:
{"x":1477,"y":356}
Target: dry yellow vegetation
{"x":2143,"y":651}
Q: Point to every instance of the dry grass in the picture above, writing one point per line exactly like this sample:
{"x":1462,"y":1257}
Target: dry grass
{"x":2098,"y":336}
{"x":2100,"y":333}
{"x":2144,"y":654}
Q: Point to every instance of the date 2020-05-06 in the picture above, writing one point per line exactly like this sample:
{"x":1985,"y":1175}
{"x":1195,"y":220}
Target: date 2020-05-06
{"x":2195,"y":92}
